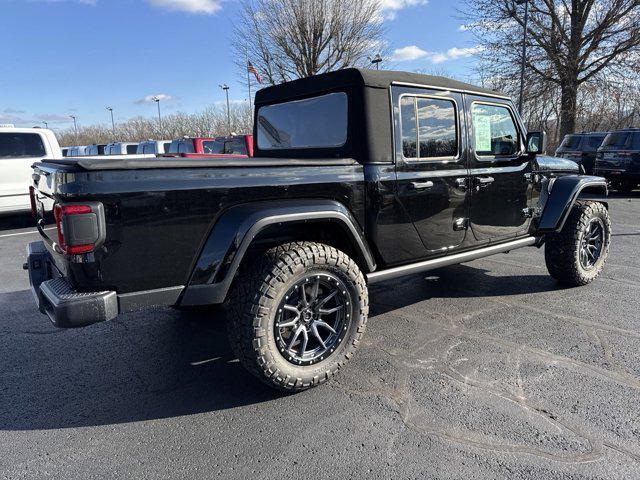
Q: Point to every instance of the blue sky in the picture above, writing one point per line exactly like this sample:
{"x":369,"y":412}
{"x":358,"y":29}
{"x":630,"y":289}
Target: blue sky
{"x":75,"y":57}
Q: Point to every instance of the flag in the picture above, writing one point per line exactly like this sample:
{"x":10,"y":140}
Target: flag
{"x":255,"y":72}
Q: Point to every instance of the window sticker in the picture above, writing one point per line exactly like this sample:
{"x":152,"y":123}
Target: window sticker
{"x":482,"y":131}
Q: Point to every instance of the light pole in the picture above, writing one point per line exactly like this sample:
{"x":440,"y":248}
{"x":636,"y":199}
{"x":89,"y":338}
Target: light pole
{"x":157,"y":100}
{"x":376,"y":61}
{"x":524,"y":51}
{"x":113,"y":124}
{"x":225,"y":87}
{"x":46,"y":125}
{"x":75,"y":124}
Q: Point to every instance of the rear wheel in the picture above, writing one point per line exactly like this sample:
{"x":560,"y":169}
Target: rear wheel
{"x":297,"y":314}
{"x":576,"y":255}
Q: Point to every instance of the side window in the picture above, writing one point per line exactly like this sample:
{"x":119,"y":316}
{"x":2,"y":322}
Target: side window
{"x":437,"y":132}
{"x":131,"y":149}
{"x":429,"y":127}
{"x":409,"y":130}
{"x":494,"y":131}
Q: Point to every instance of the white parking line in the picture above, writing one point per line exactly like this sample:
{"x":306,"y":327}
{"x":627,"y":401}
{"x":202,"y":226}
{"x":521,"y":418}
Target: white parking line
{"x":24,"y":233}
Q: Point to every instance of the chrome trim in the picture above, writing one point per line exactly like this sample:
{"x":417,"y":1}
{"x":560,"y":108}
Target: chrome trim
{"x":444,"y":89}
{"x":426,"y":265}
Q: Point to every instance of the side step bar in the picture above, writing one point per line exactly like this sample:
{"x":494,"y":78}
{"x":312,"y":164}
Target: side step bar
{"x":454,"y":259}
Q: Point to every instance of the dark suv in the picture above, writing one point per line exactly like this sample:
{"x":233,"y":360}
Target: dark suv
{"x":581,"y":148}
{"x":618,"y":159}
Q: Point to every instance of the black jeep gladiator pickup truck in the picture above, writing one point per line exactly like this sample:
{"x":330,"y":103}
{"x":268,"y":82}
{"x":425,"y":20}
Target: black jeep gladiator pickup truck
{"x":358,"y":177}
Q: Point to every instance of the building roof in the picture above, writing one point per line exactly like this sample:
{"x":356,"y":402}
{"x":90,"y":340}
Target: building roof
{"x":362,"y":77}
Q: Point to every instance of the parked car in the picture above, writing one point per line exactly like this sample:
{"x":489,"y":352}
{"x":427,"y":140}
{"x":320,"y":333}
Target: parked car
{"x":19,"y":149}
{"x":76,"y":151}
{"x":121,"y":148}
{"x":618,"y":159}
{"x":240,"y":145}
{"x":581,"y":148}
{"x":92,"y":150}
{"x":153,"y":147}
{"x":359,"y":176}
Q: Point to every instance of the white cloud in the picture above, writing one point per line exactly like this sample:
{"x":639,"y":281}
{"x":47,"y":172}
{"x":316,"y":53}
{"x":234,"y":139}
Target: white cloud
{"x":408,"y":53}
{"x":413,"y":52}
{"x":390,"y":8}
{"x":151,"y":98}
{"x":453,"y":54}
{"x":207,"y":7}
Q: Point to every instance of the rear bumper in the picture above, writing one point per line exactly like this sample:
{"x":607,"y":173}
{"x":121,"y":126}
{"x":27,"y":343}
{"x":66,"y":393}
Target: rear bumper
{"x":55,"y":296}
{"x":617,"y":174}
{"x":68,"y":308}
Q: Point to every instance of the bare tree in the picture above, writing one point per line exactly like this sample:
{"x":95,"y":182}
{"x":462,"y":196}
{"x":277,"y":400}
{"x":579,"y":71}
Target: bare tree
{"x":210,"y":122}
{"x":288,"y":39}
{"x":570,"y":43}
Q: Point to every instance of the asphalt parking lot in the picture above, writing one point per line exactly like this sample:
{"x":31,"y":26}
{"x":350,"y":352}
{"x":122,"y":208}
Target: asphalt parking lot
{"x":478,"y":371}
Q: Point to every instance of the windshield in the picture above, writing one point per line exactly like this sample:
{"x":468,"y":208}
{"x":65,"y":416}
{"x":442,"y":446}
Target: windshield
{"x":593,"y":142}
{"x":617,"y":140}
{"x":318,"y":122}
{"x":181,"y":146}
{"x":213,"y":146}
{"x":570,"y":142}
{"x":21,"y":145}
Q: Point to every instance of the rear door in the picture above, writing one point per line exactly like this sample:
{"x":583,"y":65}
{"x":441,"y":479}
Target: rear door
{"x":18,"y":151}
{"x":431,"y":164}
{"x":498,"y":167}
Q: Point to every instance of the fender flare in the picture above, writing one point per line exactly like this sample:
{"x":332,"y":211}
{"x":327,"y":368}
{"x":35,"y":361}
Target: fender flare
{"x":234,"y":231}
{"x":560,"y":194}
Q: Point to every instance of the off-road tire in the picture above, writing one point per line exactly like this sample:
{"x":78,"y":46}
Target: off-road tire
{"x":562,"y":250}
{"x":258,"y":290}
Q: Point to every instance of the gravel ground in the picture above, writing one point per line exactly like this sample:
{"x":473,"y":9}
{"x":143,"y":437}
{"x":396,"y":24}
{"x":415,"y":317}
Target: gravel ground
{"x":479,"y":371}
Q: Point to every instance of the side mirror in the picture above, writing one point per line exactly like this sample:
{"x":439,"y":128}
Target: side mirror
{"x":536,"y":143}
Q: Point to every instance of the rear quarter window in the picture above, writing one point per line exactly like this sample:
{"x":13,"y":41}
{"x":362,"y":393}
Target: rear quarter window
{"x":316,"y":122}
{"x":21,"y":145}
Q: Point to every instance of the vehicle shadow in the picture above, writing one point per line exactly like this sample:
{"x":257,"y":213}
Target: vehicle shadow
{"x":142,"y":366}
{"x":165,"y":363}
{"x":452,"y":282}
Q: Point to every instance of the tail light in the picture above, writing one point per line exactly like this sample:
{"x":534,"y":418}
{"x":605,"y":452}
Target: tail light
{"x":80,"y":227}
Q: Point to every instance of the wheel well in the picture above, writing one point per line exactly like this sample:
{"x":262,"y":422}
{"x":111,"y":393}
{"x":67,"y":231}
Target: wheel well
{"x":328,"y":231}
{"x":596,"y":193}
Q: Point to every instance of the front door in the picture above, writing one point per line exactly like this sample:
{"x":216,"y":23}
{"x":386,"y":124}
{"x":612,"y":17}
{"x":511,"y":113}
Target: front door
{"x":431,"y":166}
{"x":498,"y":168}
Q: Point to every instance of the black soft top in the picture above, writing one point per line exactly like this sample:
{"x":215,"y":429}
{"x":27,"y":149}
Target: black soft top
{"x":360,"y":77}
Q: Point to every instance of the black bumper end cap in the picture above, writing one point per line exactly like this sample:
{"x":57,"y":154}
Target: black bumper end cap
{"x":68,"y":308}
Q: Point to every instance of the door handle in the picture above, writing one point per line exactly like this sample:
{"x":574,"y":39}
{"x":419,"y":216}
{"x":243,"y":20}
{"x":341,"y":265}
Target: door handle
{"x":421,"y":185}
{"x":484,"y":181}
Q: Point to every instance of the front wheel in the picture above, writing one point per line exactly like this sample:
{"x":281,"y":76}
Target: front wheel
{"x":297,"y":315}
{"x":576,"y":255}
